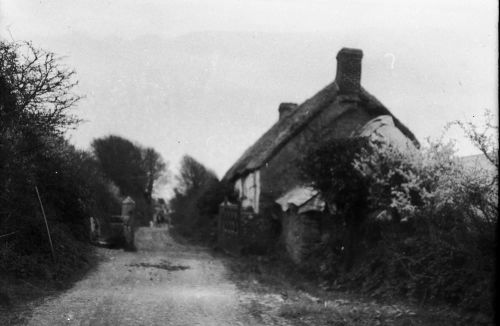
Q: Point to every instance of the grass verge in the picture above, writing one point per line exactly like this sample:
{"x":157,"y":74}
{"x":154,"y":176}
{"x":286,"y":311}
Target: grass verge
{"x":19,"y":293}
{"x":306,"y":302}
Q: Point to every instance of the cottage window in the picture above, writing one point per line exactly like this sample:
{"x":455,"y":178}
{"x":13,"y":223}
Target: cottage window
{"x":249,"y":190}
{"x":238,"y":188}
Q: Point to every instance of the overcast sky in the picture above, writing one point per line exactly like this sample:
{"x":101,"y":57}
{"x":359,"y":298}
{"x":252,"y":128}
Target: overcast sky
{"x":205,"y":78}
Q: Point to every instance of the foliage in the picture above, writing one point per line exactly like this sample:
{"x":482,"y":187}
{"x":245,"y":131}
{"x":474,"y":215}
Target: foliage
{"x":41,"y":85}
{"x":451,"y":212}
{"x":155,"y":168}
{"x":428,"y":231}
{"x":432,"y":179}
{"x":305,"y":303}
{"x":193,"y":175}
{"x":36,"y":96}
{"x":331,"y":168}
{"x":196,"y":199}
{"x":121,"y":161}
{"x":71,"y":187}
{"x":134,"y":169}
{"x":215,"y":193}
{"x":484,"y":138}
{"x":70,"y":255}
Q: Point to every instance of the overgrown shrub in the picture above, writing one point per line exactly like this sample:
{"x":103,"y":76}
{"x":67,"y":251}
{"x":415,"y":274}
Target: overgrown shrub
{"x":134,"y":169}
{"x":331,"y":168}
{"x":427,"y":223}
{"x":18,"y":257}
{"x":36,"y":98}
{"x":196,"y":201}
{"x":447,"y":250}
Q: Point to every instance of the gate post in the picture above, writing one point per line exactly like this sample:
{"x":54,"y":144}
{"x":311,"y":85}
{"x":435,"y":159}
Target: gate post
{"x":128,"y":206}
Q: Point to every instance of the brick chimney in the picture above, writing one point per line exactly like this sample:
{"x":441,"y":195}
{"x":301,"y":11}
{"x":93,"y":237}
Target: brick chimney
{"x":286,"y":108}
{"x":349,"y":70}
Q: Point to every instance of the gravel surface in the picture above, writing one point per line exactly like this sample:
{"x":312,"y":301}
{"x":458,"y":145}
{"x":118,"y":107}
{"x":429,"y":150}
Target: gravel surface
{"x":181,"y":285}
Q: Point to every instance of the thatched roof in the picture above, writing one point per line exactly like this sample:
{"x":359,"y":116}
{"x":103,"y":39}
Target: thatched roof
{"x":286,"y":128}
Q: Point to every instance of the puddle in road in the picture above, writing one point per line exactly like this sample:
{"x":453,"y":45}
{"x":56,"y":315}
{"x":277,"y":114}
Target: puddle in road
{"x":164,"y":264}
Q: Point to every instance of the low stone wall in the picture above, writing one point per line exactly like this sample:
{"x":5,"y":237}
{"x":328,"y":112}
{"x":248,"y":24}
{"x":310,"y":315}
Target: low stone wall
{"x":257,"y":232}
{"x":241,"y":230}
{"x":301,"y":233}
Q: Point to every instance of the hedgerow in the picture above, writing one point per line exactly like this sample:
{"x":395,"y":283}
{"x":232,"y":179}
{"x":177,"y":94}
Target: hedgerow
{"x":36,"y":99}
{"x":414,"y":223}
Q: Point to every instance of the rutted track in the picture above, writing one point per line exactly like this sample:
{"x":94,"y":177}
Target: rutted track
{"x":178,"y":285}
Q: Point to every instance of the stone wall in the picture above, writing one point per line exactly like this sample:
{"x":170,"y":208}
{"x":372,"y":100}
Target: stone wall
{"x":301,"y":233}
{"x":240,"y":230}
{"x":258,"y":232}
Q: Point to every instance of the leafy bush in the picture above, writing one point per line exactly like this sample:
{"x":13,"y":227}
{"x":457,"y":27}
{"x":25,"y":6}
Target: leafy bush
{"x":135,"y":170}
{"x":331,"y":168}
{"x":426,"y":222}
{"x":197,"y":199}
{"x":36,"y":98}
{"x":447,"y":249}
{"x":20,"y":260}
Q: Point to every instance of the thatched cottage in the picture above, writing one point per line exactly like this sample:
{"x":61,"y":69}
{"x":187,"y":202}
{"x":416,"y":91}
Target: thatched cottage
{"x":274,"y":201}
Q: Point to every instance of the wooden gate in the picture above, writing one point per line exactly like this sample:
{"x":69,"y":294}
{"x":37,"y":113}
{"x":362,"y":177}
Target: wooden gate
{"x":229,"y":227}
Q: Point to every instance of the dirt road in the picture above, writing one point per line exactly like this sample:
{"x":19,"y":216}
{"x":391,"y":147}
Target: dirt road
{"x":180,"y":285}
{"x":166,"y":283}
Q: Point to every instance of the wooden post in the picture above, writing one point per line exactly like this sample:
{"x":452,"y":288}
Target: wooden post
{"x":46,"y":224}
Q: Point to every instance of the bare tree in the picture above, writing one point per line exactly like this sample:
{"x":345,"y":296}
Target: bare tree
{"x":484,"y":137}
{"x":42,"y":85}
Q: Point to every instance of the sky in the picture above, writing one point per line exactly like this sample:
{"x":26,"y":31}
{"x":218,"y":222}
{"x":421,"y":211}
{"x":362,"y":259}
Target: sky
{"x":205,"y":78}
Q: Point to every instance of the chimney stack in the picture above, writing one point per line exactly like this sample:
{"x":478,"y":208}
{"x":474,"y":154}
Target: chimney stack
{"x":286,"y":108}
{"x":349,"y":70}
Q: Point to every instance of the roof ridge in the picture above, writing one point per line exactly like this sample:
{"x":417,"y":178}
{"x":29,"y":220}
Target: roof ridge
{"x":297,"y":119}
{"x":283,"y":130}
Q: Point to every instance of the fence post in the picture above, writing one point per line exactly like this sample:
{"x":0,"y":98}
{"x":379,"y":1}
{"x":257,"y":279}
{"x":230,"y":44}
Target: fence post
{"x":46,"y":224}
